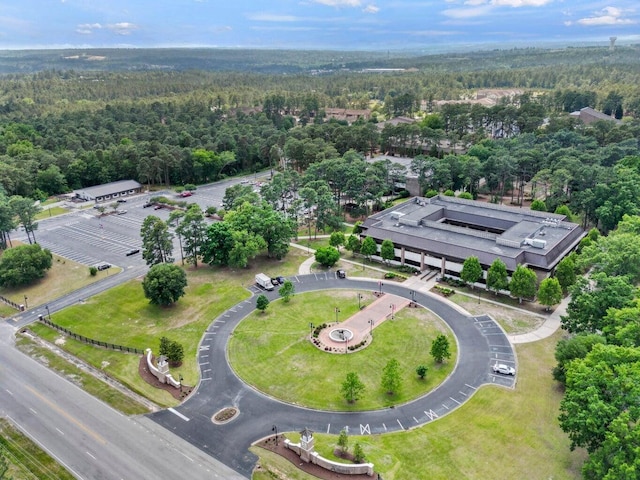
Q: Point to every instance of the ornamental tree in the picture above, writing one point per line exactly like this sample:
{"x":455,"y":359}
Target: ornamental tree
{"x":497,"y":278}
{"x":368,"y":247}
{"x":327,"y":256}
{"x":387,"y":250}
{"x":262,"y":302}
{"x":440,"y":348}
{"x":391,"y":376}
{"x":471,"y":271}
{"x":352,"y":387}
{"x":287,"y":290}
{"x":164,"y":284}
{"x":549,"y":292}
{"x":523,"y":283}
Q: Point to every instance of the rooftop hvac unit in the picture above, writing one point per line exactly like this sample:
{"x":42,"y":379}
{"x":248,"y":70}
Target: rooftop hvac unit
{"x":537,"y":243}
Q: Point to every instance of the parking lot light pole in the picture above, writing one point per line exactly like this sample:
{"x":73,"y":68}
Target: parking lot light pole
{"x":275,"y":430}
{"x":337,"y":312}
{"x":48,"y":312}
{"x":371,"y":322}
{"x":311,"y":328}
{"x":26,"y":305}
{"x":393,"y":310}
{"x":359,"y":298}
{"x":380,"y":285}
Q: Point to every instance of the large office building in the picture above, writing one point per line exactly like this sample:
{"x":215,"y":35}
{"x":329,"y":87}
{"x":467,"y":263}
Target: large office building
{"x":441,"y":232}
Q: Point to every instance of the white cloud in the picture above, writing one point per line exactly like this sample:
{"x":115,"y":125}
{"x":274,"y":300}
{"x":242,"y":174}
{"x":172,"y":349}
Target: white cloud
{"x":270,"y":17}
{"x":479,"y":11}
{"x":520,"y":3}
{"x":371,"y":9}
{"x":87,"y":28}
{"x":339,"y":3}
{"x":122,"y":28}
{"x":606,"y":16}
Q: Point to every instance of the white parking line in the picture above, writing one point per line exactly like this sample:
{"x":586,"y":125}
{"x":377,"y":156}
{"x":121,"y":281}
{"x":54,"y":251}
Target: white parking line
{"x":399,"y":424}
{"x":455,"y":400}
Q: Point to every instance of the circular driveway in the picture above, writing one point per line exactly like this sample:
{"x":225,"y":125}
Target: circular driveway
{"x":481,"y":343}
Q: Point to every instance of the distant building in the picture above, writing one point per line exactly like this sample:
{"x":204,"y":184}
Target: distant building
{"x":347,"y":114}
{"x":588,"y":115}
{"x":442,"y":232}
{"x":109,"y":191}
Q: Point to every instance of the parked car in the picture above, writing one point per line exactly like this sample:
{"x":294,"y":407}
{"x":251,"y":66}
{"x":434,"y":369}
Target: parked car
{"x":121,"y":212}
{"x":147,"y":205}
{"x":275,"y":282}
{"x":341,"y":274}
{"x":103,"y":266}
{"x":121,"y":200}
{"x":280,"y":279}
{"x":157,"y":207}
{"x":186,"y":194}
{"x":132,"y":252}
{"x":503,"y":369}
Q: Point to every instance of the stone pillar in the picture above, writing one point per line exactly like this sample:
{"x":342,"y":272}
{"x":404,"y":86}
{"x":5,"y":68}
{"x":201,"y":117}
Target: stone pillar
{"x":422,"y":261}
{"x":306,"y":445}
{"x":443,"y":267}
{"x":401,"y":255}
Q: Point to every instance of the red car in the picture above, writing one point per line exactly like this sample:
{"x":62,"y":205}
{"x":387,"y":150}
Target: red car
{"x":186,"y":194}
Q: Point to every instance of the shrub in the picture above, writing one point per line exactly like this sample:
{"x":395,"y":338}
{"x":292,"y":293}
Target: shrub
{"x":93,"y":271}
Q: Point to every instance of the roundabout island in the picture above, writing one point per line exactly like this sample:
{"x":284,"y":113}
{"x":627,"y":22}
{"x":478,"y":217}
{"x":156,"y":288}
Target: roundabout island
{"x":480,"y":343}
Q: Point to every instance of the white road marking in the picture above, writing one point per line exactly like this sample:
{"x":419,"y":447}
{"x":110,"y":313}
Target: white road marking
{"x":9,"y":392}
{"x":399,"y":424}
{"x":61,"y":432}
{"x":445,"y":406}
{"x":90,"y":455}
{"x":463,"y":393}
{"x":431,"y":414}
{"x":178,"y":414}
{"x":365,"y":429}
{"x":472,"y":388}
{"x":328,"y":427}
{"x":34,"y":412}
{"x":455,"y":400}
{"x":385,"y":427}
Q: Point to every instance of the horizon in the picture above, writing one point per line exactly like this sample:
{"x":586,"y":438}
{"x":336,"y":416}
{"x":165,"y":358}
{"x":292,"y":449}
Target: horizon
{"x":340,"y":25}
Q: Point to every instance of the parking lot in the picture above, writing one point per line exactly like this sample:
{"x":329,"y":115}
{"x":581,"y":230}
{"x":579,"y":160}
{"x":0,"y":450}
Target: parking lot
{"x":85,"y":236}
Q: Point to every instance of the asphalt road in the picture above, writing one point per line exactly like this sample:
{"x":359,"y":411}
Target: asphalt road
{"x":90,"y":439}
{"x":480,"y":344}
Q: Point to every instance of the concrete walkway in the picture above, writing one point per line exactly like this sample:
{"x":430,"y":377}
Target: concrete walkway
{"x":548,"y":327}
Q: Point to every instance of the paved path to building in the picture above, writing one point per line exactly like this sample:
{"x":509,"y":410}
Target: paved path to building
{"x":550,"y":326}
{"x":363,"y":322}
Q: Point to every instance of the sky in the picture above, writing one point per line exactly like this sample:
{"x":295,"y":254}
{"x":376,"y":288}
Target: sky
{"x":314,"y":24}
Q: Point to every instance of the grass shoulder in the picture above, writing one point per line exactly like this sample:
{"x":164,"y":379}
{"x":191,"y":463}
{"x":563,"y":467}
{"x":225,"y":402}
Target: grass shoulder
{"x":82,"y":379}
{"x":26,"y":459}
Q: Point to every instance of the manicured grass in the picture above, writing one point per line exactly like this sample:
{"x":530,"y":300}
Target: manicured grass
{"x":274,"y":467}
{"x":513,"y":320}
{"x":272,"y":352}
{"x":125,"y":317}
{"x":25,"y":459}
{"x":84,"y":380}
{"x":497,"y":434}
{"x":65,"y":276}
{"x":51,"y":212}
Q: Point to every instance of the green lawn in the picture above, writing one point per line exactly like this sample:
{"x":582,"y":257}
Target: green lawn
{"x":51,"y":212}
{"x":124,"y":316}
{"x":25,"y":459}
{"x":65,"y":276}
{"x":498,"y":434}
{"x":272,"y":352}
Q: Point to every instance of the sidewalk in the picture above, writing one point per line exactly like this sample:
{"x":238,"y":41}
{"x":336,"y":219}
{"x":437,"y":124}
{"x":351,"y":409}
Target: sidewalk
{"x":548,"y":327}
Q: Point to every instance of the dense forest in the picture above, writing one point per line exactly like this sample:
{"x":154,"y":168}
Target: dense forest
{"x":164,"y":117}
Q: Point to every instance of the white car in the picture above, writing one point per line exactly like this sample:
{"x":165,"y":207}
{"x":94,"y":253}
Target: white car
{"x":503,"y":369}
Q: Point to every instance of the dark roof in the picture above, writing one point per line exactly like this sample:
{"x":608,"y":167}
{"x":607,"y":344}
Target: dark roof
{"x":457,"y":229}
